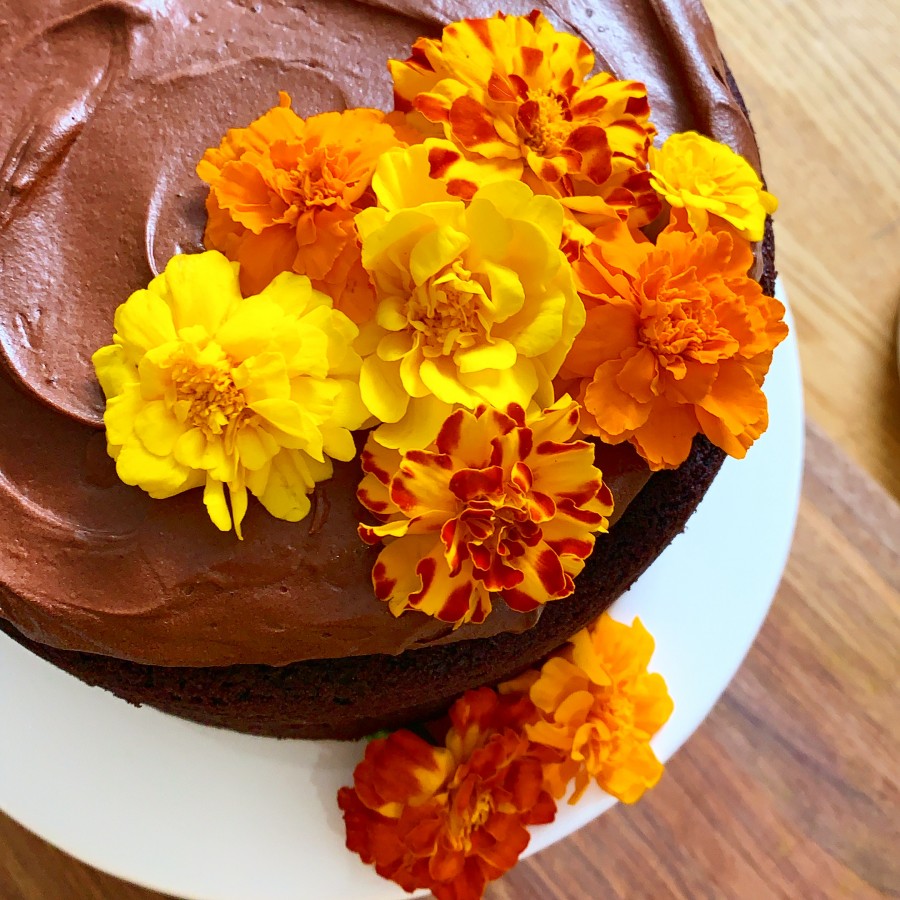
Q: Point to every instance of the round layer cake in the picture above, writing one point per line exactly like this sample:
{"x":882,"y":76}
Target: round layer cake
{"x":109,"y":107}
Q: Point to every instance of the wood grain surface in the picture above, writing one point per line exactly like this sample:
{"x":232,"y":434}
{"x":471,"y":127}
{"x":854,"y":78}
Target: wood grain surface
{"x":790,"y":789}
{"x":822,"y":82}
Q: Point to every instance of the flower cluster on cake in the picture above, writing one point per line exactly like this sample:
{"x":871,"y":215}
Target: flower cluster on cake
{"x":467,"y":295}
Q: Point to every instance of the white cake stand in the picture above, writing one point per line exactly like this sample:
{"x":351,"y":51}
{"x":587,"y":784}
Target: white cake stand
{"x":210,"y":815}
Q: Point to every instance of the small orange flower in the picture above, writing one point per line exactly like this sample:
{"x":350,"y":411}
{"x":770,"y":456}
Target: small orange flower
{"x":283,"y":194}
{"x":450,"y":818}
{"x":598,"y":707}
{"x":515,"y":93}
{"x":496,"y":505}
{"x":678,"y":341}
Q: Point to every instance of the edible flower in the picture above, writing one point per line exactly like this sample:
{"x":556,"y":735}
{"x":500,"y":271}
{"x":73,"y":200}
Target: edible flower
{"x":707,"y":178}
{"x":499,"y":506}
{"x":476,"y":303}
{"x":206,"y":388}
{"x":447,"y":818}
{"x":678,"y":341}
{"x":598,"y":707}
{"x":283,"y":194}
{"x":514,"y":92}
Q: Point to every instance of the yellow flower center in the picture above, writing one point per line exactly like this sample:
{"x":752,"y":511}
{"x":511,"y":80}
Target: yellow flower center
{"x":546,"y":122}
{"x":206,"y":395}
{"x":445,"y":312}
{"x":475,"y":816}
{"x":482,"y":811}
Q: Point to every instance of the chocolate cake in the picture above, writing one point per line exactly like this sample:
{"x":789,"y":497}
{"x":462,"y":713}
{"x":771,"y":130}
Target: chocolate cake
{"x":109,"y":107}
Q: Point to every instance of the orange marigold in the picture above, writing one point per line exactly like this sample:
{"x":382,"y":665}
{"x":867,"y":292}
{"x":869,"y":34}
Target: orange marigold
{"x":598,"y":707}
{"x":678,"y":341}
{"x":283,"y":194}
{"x":496,"y":505}
{"x":515,"y":93}
{"x":450,"y":818}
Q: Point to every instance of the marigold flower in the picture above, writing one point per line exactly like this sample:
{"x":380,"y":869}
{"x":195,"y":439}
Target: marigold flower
{"x":598,"y":707}
{"x":476,"y":302}
{"x":206,"y":388}
{"x":706,"y":178}
{"x":283,"y":194}
{"x":404,"y":178}
{"x":451,"y":818}
{"x":515,"y":92}
{"x":678,"y":341}
{"x":497,"y":506}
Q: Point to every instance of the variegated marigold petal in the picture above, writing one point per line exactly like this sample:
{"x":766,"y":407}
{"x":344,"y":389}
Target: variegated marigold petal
{"x":486,"y":520}
{"x":512,"y":91}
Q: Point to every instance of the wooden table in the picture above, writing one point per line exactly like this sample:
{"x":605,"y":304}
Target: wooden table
{"x":790,"y":788}
{"x":821,"y":81}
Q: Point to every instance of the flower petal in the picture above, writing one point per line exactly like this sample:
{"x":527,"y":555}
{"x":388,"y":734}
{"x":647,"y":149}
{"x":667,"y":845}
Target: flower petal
{"x":393,"y":578}
{"x":382,"y":390}
{"x":202,"y":290}
{"x":142,"y":322}
{"x":216,"y":506}
{"x":290,"y":479}
{"x":418,"y":428}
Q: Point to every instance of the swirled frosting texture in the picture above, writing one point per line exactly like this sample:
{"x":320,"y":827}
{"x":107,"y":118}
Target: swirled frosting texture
{"x":107,"y":108}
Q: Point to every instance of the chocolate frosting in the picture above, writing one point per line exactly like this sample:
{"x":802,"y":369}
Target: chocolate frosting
{"x":107,"y":108}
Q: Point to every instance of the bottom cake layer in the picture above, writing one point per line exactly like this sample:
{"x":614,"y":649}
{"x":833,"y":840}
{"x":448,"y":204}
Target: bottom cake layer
{"x":355,"y":696}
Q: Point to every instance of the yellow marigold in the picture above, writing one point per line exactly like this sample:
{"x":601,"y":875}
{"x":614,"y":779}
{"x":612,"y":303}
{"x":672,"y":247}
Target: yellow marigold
{"x":515,"y":92}
{"x":598,"y":707}
{"x":283,"y":194}
{"x":476,"y":302}
{"x":206,"y":389}
{"x":678,"y":341}
{"x":706,"y":178}
{"x":498,"y":505}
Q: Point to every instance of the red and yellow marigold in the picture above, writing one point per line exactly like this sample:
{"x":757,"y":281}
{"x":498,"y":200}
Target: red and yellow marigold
{"x":678,"y":341}
{"x":597,"y":707}
{"x":449,"y":818}
{"x":283,"y":194}
{"x":514,"y":92}
{"x":498,"y":506}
